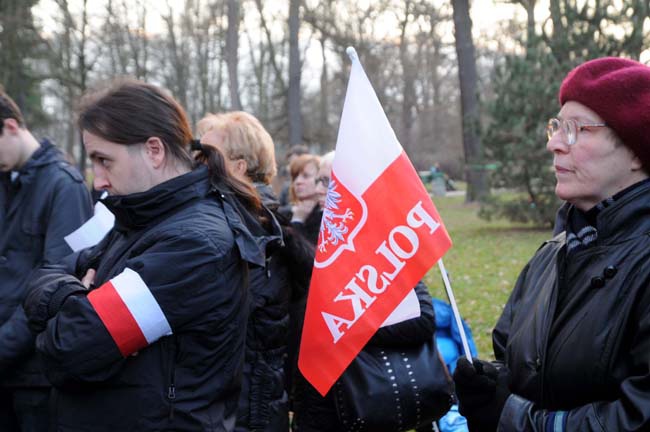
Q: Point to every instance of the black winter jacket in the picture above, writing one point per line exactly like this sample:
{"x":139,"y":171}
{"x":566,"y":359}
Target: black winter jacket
{"x":47,"y":201}
{"x":263,"y":403}
{"x":185,"y":244}
{"x":583,"y":365}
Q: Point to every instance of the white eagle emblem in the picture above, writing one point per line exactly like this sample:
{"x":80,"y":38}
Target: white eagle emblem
{"x":333,"y":226}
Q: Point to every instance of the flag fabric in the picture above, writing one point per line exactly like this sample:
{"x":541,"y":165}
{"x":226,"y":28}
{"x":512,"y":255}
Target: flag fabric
{"x":129,"y":312}
{"x":379,"y":235}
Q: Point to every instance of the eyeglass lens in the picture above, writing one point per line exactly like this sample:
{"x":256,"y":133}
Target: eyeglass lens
{"x":568,"y":127}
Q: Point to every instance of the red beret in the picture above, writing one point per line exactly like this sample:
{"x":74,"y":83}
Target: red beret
{"x":618,"y":90}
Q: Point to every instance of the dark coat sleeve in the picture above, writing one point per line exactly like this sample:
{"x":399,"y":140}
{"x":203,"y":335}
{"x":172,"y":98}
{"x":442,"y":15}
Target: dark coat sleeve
{"x":415,"y":331}
{"x":501,"y":331}
{"x":300,"y":254}
{"x":629,"y":412}
{"x":76,"y":345}
{"x":17,"y":339}
{"x":68,"y":209}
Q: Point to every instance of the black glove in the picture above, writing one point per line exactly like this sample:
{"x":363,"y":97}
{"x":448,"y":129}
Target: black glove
{"x":47,"y":289}
{"x":482,"y":392}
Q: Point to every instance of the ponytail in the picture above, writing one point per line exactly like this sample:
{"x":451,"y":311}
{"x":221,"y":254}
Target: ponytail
{"x":213,"y":159}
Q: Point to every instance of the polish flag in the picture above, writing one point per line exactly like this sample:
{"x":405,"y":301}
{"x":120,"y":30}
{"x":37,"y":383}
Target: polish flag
{"x":379,"y":235}
{"x":129,"y":312}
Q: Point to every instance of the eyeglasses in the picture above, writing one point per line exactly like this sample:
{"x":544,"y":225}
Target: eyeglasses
{"x":324,"y":180}
{"x":570,"y":128}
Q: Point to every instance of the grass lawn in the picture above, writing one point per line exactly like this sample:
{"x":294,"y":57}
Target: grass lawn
{"x":483,"y":264}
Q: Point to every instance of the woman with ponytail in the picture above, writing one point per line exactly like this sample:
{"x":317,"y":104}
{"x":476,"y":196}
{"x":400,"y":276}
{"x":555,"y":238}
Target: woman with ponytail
{"x":143,"y":332}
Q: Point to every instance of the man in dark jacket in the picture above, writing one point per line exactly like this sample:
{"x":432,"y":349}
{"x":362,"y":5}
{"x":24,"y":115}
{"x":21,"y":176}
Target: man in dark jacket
{"x":42,"y":199}
{"x":156,"y":342}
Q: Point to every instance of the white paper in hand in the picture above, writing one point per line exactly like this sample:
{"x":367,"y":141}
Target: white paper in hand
{"x":93,"y":231}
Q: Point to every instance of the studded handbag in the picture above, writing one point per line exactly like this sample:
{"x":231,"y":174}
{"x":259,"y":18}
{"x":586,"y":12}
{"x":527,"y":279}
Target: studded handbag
{"x":392,"y":390}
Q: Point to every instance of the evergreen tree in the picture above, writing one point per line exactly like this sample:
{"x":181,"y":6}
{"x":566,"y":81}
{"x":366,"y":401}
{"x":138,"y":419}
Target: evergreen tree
{"x":526,"y":89}
{"x":19,"y":45}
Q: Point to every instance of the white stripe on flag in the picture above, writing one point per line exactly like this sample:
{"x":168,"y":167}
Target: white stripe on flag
{"x":141,"y":303}
{"x":370,"y":144}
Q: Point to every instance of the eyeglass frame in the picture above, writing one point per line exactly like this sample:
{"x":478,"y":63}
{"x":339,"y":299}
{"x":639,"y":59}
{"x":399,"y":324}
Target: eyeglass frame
{"x":570,"y":127}
{"x":325,"y":180}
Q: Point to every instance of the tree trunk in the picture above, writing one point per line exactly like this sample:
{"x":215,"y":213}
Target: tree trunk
{"x":475,"y":172}
{"x":530,"y":23}
{"x":295,"y":117}
{"x":232,"y":48}
{"x":324,"y":135}
{"x":408,"y":80}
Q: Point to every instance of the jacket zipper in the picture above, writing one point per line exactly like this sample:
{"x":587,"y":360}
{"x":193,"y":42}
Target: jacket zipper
{"x":171,"y":390}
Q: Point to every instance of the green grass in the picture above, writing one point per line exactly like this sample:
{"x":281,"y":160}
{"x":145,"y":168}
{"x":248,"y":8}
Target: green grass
{"x":483,"y":264}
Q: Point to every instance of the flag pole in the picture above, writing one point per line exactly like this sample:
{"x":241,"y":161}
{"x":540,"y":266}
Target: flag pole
{"x":454,"y":308}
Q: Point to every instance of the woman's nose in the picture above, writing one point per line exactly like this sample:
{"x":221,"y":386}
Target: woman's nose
{"x":557,"y":143}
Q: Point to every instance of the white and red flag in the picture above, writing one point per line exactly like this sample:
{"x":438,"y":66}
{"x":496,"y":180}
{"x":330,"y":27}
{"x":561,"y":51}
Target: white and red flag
{"x":379,"y":235}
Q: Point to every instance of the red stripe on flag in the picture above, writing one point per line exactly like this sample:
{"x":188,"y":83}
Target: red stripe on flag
{"x":117,"y":319}
{"x":395,"y":193}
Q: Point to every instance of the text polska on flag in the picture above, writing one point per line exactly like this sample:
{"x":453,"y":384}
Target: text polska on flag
{"x":379,"y":235}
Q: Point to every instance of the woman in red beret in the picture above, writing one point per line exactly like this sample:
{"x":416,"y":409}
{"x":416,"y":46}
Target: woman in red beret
{"x":572,"y":345}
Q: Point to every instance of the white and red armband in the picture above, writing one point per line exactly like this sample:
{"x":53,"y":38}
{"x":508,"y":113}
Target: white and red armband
{"x":129,"y":311}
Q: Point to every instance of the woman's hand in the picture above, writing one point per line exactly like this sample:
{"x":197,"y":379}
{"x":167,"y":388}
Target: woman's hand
{"x":302,"y":209}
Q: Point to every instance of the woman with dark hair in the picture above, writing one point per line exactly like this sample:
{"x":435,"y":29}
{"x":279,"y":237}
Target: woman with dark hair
{"x":143,"y":332}
{"x":250,"y":156}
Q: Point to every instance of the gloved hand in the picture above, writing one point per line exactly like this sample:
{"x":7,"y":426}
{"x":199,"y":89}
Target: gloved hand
{"x":482,"y":392}
{"x":47,"y":289}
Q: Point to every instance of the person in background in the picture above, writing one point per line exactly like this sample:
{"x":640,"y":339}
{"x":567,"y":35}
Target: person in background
{"x":293,"y":153}
{"x":144,"y":331}
{"x":304,"y":211}
{"x":250,"y":156}
{"x":42,"y":199}
{"x":323,"y":178}
{"x":572,"y":345}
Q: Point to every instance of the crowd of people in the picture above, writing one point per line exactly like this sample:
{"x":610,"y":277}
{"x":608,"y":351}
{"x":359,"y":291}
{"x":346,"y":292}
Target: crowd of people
{"x":187,"y":315}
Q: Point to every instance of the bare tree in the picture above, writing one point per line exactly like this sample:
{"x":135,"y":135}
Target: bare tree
{"x":476,"y":176}
{"x":408,"y":79}
{"x":295,"y":70}
{"x":74,"y":55}
{"x":232,"y":52}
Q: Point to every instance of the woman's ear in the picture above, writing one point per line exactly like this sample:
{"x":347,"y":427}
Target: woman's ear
{"x":241,"y":167}
{"x":155,"y":152}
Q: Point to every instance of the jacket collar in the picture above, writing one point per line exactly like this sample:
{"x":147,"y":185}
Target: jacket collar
{"x":253,"y":240}
{"x":137,"y":211}
{"x":269,"y":199}
{"x":627,"y":216}
{"x":46,"y":154}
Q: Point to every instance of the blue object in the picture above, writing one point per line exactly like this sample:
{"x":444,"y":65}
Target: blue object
{"x":450,"y":347}
{"x":453,"y":421}
{"x":448,"y":339}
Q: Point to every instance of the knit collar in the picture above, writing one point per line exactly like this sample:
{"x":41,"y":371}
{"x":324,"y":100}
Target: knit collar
{"x":582,"y":226}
